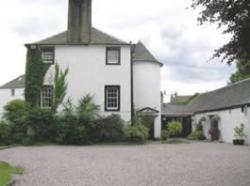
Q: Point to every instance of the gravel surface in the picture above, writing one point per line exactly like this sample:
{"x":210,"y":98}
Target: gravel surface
{"x":196,"y":164}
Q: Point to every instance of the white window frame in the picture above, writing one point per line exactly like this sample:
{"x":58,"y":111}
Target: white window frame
{"x":47,"y":97}
{"x":113,"y":49}
{"x":112,"y":98}
{"x":48,"y":55}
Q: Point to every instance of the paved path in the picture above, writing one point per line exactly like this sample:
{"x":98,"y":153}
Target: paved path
{"x":196,"y":164}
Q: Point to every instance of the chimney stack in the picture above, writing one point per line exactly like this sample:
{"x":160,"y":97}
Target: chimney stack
{"x":79,"y":21}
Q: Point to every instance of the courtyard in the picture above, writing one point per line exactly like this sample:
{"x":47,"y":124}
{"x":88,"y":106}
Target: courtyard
{"x":194,"y":164}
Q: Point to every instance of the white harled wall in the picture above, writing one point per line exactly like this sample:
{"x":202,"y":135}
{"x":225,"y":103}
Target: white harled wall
{"x":229,"y":119}
{"x":88,"y":74}
{"x":147,"y":84}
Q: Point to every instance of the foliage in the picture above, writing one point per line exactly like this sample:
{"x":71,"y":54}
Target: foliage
{"x":110,"y":128}
{"x":174,"y":128}
{"x":15,"y":111}
{"x":186,"y":102}
{"x":34,"y":76}
{"x":15,"y":116}
{"x":243,"y":71}
{"x":70,"y":131}
{"x":164,"y":135}
{"x":5,"y":133}
{"x":136,"y":133}
{"x":6,"y":172}
{"x":60,"y":86}
{"x":239,"y":132}
{"x":87,"y":110}
{"x":42,"y":124}
{"x":234,"y":17}
{"x":196,"y":135}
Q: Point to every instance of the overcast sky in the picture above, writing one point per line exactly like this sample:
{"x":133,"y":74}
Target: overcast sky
{"x":168,"y":28}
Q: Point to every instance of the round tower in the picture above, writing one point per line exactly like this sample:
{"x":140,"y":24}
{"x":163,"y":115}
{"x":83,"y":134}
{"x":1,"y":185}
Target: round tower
{"x":147,"y":87}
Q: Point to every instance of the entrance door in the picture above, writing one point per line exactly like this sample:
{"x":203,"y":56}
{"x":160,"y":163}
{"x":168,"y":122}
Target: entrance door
{"x":214,"y":130}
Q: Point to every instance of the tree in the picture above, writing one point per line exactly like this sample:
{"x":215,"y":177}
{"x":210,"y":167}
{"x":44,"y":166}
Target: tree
{"x":234,"y":15}
{"x":60,"y":86}
{"x":243,"y":71}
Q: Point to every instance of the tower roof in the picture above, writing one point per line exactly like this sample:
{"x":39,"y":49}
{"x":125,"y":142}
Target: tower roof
{"x":141,"y":53}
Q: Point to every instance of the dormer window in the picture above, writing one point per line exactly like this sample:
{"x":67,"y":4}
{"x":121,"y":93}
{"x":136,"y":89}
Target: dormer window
{"x":113,"y":55}
{"x":48,"y":55}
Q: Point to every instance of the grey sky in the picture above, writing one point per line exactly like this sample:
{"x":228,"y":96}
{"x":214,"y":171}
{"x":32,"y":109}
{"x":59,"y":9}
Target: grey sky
{"x":168,"y":28}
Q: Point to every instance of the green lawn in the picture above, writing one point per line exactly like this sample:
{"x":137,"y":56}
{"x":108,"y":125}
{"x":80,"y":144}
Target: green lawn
{"x":6,"y":172}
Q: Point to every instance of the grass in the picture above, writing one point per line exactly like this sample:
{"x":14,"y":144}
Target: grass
{"x":4,"y":147}
{"x":6,"y":172}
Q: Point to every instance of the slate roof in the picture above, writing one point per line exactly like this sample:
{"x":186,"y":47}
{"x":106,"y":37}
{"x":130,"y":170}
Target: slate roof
{"x":171,"y":110}
{"x":97,"y":37}
{"x":141,"y":53}
{"x":231,"y":96}
{"x":19,"y":82}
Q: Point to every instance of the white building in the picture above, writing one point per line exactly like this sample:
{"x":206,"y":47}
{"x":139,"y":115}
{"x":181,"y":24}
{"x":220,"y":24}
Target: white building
{"x":121,"y":76}
{"x":222,"y":109}
{"x":10,"y":91}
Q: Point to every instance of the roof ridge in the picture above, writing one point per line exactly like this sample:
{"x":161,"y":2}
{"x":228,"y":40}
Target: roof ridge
{"x":227,"y":86}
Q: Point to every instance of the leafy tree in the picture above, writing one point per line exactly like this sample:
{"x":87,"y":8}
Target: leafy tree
{"x":243,"y":72}
{"x":60,"y":86}
{"x":234,"y":16}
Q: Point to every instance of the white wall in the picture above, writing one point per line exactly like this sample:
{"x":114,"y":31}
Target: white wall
{"x":229,"y":119}
{"x":88,"y":73}
{"x":5,"y":97}
{"x":147,"y":83}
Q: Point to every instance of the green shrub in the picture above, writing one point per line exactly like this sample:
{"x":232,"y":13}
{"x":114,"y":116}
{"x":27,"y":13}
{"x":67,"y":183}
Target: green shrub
{"x":42,"y":123}
{"x":164,"y":135}
{"x":5,"y":133}
{"x":174,"y":128}
{"x":110,"y":128}
{"x":16,"y":111}
{"x":69,"y":131}
{"x":136,"y":133}
{"x":197,"y":135}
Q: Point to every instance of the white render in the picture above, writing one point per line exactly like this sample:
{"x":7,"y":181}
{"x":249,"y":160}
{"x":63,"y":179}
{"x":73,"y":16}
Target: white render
{"x":229,"y":119}
{"x":147,"y":85}
{"x":5,"y":97}
{"x":88,"y":74}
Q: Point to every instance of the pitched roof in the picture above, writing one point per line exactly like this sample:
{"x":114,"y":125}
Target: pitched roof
{"x":19,"y":82}
{"x":141,"y":53}
{"x":97,"y":37}
{"x":234,"y":95}
{"x":171,"y":110}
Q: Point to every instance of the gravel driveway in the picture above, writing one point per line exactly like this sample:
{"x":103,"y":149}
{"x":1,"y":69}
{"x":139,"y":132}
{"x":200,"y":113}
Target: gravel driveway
{"x":196,"y":164}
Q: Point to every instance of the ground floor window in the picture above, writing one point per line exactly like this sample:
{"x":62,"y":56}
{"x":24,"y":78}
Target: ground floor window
{"x":47,"y":96}
{"x":112,"y":98}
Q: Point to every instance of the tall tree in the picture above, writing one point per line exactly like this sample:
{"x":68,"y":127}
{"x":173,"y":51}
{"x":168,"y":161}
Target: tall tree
{"x":243,"y":71}
{"x":234,"y":15}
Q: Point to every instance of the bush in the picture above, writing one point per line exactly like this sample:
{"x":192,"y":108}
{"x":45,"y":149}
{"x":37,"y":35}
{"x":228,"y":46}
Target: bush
{"x":15,"y":111}
{"x":197,"y":135}
{"x":69,"y":131}
{"x":164,"y":135}
{"x":110,"y":129}
{"x":42,"y":123}
{"x":174,"y":128}
{"x":5,"y":133}
{"x":136,"y":133}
